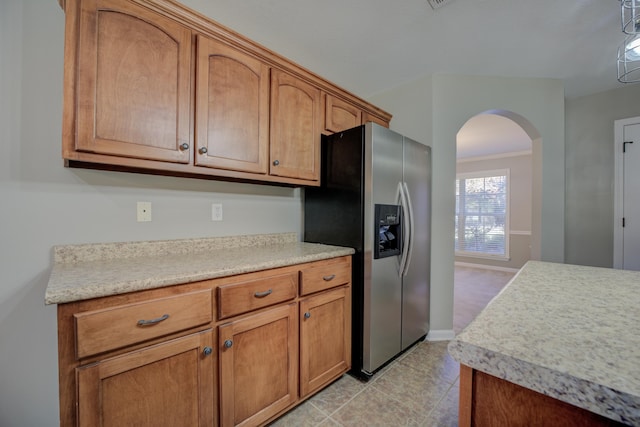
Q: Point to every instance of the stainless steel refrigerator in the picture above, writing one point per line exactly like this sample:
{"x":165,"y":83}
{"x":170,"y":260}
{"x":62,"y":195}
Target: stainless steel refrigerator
{"x":375,"y":196}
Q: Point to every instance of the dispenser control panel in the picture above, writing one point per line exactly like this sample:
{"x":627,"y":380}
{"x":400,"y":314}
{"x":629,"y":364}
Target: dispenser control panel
{"x":388,"y":231}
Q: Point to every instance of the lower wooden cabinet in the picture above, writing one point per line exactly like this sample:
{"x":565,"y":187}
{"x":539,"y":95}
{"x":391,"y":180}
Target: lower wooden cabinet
{"x":258,"y":366}
{"x":294,"y":148}
{"x":168,"y":384}
{"x":325,"y":338}
{"x":232,"y":351}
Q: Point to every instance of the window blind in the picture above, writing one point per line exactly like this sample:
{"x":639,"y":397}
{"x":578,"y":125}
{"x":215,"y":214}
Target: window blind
{"x":481,"y":213}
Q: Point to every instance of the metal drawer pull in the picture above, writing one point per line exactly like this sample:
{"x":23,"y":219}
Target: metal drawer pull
{"x":153,"y":321}
{"x":328,"y":278}
{"x":207,"y":351}
{"x":228,"y":343}
{"x":262,"y":294}
{"x":307,"y":315}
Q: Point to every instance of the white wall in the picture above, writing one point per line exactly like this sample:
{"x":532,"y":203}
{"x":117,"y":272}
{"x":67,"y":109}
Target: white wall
{"x":590,"y":172}
{"x":433,"y":110}
{"x":45,"y":204}
{"x":413,"y":112}
{"x":541,"y":102}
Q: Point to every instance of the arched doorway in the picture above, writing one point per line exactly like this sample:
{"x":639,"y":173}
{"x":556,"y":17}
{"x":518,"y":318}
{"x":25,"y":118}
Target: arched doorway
{"x":493,"y":139}
{"x":495,"y":206}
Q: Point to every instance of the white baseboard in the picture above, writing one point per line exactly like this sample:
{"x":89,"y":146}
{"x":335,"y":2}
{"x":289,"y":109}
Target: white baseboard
{"x":486,"y":267}
{"x":440,"y":335}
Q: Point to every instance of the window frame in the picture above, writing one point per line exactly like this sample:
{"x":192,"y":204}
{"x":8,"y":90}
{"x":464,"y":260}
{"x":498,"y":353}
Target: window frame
{"x":506,"y":172}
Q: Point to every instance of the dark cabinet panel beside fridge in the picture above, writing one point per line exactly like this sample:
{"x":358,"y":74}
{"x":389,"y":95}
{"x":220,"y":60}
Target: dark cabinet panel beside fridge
{"x":375,"y":196}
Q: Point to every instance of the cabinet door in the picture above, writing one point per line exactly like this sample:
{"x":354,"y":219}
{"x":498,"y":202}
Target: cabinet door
{"x":232,"y":109}
{"x":340,"y":115}
{"x":258,"y":366}
{"x":295,"y":128}
{"x":169,"y":384}
{"x":325,"y":338}
{"x":133,"y":93}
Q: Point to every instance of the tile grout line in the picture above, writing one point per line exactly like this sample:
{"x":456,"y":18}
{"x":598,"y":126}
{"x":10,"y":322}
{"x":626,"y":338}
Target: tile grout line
{"x":372,"y":383}
{"x":444,"y":395}
{"x":367,"y":385}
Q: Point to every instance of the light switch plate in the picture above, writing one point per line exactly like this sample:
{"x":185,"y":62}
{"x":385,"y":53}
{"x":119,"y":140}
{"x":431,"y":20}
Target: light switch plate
{"x":216,"y":212}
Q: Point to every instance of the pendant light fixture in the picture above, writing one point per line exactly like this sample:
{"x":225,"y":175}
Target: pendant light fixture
{"x":630,"y":11}
{"x":629,"y":51}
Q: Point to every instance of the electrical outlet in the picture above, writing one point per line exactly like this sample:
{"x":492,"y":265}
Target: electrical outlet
{"x":216,"y":212}
{"x":144,"y":211}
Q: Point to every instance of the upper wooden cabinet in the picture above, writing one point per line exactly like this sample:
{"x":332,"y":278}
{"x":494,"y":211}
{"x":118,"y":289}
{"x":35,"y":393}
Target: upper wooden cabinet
{"x":232,"y":109}
{"x":368,"y":117}
{"x":135,"y":99}
{"x":295,"y":127}
{"x":340,"y":115}
{"x":133,"y":83}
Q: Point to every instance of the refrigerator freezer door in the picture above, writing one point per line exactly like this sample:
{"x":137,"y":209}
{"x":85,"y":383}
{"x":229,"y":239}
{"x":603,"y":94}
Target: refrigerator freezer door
{"x":416,"y":282}
{"x":382,"y":283}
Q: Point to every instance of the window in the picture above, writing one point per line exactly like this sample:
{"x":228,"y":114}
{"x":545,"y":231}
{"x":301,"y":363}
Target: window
{"x":482,"y":218}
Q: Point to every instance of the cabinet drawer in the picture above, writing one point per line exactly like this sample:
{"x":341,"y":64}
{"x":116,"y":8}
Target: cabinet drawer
{"x":107,"y":329}
{"x":238,"y":298}
{"x":325,"y":275}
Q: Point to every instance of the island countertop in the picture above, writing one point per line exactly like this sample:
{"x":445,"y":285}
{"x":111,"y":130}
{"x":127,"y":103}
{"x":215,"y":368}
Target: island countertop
{"x":95,"y":270}
{"x":569,"y":332}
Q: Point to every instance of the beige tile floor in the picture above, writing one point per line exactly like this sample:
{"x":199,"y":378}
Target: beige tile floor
{"x":420,"y":388}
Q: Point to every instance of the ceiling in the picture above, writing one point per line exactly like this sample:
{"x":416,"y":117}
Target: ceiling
{"x":487,"y":135}
{"x":369,"y":46}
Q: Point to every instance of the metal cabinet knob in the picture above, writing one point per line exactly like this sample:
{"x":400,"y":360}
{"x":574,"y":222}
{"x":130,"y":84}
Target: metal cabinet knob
{"x":203,"y":150}
{"x":207,"y":351}
{"x":184,"y":146}
{"x":307,"y":315}
{"x":276,"y":162}
{"x":228,"y":343}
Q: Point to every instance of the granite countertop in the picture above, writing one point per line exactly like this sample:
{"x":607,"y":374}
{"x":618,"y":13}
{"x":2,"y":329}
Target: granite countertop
{"x":95,"y":270}
{"x":570,"y":332}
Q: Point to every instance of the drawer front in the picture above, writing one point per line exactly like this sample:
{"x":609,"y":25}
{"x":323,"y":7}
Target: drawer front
{"x":107,"y":329}
{"x":325,"y":275}
{"x":238,"y":298}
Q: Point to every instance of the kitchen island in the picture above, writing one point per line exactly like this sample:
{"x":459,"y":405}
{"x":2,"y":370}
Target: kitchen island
{"x":559,"y":345}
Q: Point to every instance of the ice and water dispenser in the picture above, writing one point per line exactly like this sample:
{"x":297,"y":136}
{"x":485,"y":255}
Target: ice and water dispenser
{"x":388,"y":231}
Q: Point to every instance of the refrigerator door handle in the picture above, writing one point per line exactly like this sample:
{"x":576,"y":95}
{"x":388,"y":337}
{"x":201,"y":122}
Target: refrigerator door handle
{"x":409,"y":250}
{"x":406,"y":229}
